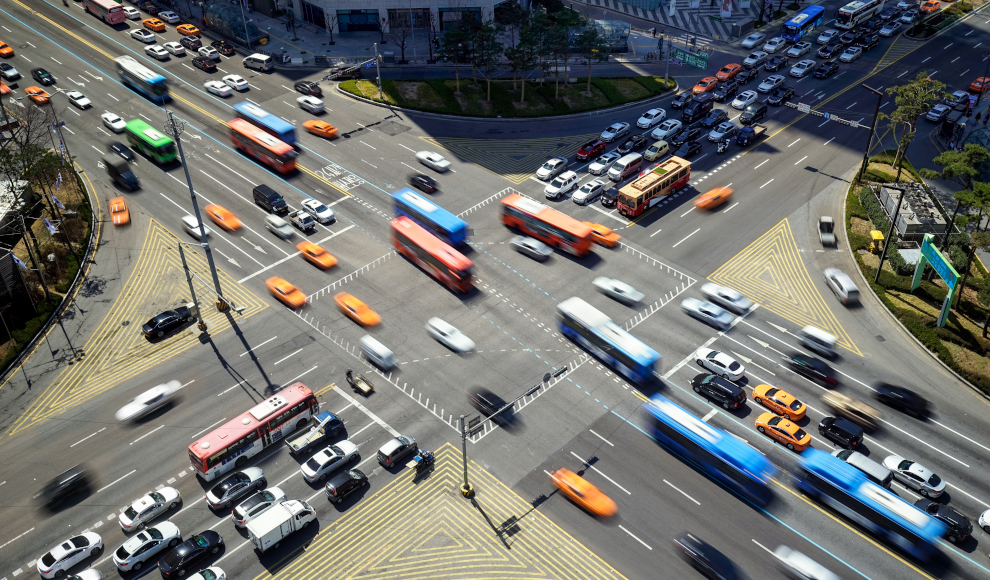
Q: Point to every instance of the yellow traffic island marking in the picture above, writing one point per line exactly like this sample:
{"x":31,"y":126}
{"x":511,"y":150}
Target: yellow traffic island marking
{"x":117,"y":350}
{"x":771,"y":273}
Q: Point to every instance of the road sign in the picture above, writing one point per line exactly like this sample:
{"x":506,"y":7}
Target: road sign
{"x":699,"y":60}
{"x":804,"y":108}
{"x":827,"y":116}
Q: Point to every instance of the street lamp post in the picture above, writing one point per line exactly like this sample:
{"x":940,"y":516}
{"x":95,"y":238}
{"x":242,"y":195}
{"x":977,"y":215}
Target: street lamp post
{"x":192,"y":291}
{"x":247,"y":37}
{"x":873,"y":128}
{"x":379,"y":71}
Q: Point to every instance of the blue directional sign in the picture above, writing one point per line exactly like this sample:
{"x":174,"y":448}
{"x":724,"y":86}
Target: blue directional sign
{"x":370,"y":65}
{"x":826,"y":116}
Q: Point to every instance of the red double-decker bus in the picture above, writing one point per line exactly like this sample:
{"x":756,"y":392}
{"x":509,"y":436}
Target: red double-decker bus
{"x":109,"y":11}
{"x":548,"y":225}
{"x":267,"y":149}
{"x":432,"y":254}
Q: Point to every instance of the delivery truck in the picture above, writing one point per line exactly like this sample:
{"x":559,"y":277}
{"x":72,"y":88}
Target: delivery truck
{"x":267,"y":530}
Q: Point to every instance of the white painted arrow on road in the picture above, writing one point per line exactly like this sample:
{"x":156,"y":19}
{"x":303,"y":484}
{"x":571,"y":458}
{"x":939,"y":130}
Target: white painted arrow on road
{"x":94,"y":76}
{"x":75,"y":83}
{"x":764,"y":345}
{"x":780,"y":328}
{"x":229,"y":259}
{"x":260,"y":249}
{"x":195,"y":136}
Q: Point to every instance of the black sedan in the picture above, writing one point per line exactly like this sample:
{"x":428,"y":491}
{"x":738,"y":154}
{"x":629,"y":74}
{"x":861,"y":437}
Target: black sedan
{"x":182,"y":558}
{"x":610,"y":197}
{"x":688,"y":149}
{"x":776,"y":63}
{"x":714,"y":118}
{"x":902,"y":399}
{"x":889,"y":14}
{"x":631,"y":144}
{"x":122,"y":150}
{"x":826,"y":70}
{"x":868,"y":41}
{"x":959,"y":526}
{"x":705,"y":558}
{"x":167,"y":322}
{"x":684,"y":135}
{"x":64,"y":486}
{"x":682,"y":100}
{"x":487,"y":403}
{"x":43,"y":77}
{"x":746,"y":75}
{"x":726,"y":91}
{"x":871,"y":26}
{"x":223,"y":47}
{"x":204,"y":63}
{"x":780,"y":94}
{"x":849,"y":37}
{"x":812,"y":368}
{"x":830,"y":50}
{"x":423,"y":183}
{"x":308,"y":88}
{"x":344,"y":484}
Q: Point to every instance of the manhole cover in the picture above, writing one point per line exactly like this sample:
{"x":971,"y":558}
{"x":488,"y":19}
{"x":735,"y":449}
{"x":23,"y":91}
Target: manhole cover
{"x":391,"y":128}
{"x":125,"y":323}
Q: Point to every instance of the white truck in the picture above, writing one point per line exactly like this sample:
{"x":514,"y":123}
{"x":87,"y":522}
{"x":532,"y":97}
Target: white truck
{"x":278,"y":521}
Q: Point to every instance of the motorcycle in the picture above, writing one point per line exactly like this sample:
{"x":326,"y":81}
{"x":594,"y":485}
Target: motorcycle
{"x":424,"y":461}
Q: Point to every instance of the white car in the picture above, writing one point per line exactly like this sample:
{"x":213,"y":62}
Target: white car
{"x":744,"y":99}
{"x":320,"y":212}
{"x":212,"y":573}
{"x":148,"y":401}
{"x":113,"y":122}
{"x":719,"y":363}
{"x":209,"y":52}
{"x":218,"y":88}
{"x":774,"y":44}
{"x":157,"y":52}
{"x":827,"y":36}
{"x":756,"y":59}
{"x":651,"y":118}
{"x":147,"y":508}
{"x":255,"y":505}
{"x":143,"y":546}
{"x":753,"y":39}
{"x":236,"y":82}
{"x":726,"y":297}
{"x":561,"y":184}
{"x":614,"y":131}
{"x":938,"y":112}
{"x":69,"y":553}
{"x":905,"y":4}
{"x":329,"y":460}
{"x":666,"y":129}
{"x":78,"y":99}
{"x":851,"y":53}
{"x":589,"y":192}
{"x":603,"y":163}
{"x":434,"y":161}
{"x":707,"y":313}
{"x":552,"y":168}
{"x":131,"y":13}
{"x":914,"y":475}
{"x":174,"y":48}
{"x":770,"y":83}
{"x":799,"y":49}
{"x":803,"y":67}
{"x":722,"y":130}
{"x":984,"y":521}
{"x":449,"y":336}
{"x":618,"y":290}
{"x":797,"y":565}
{"x":169,"y":16}
{"x":311,"y":104}
{"x":144,"y":35}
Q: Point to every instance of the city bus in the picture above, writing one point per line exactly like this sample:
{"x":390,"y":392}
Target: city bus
{"x":237,"y":440}
{"x":845,"y":489}
{"x":593,"y":330}
{"x":150,"y":141}
{"x":802,"y":23}
{"x":109,"y":11}
{"x":265,"y":148}
{"x":652,"y":186}
{"x":142,"y":79}
{"x":854,"y":13}
{"x":721,"y":456}
{"x":548,"y":225}
{"x":434,"y":218}
{"x":266,"y":121}
{"x":431,"y":254}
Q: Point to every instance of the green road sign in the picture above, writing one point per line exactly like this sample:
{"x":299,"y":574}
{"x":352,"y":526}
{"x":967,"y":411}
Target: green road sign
{"x":692,"y":59}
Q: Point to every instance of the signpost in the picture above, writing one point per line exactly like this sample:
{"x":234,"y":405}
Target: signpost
{"x":943,"y":267}
{"x":698,"y":60}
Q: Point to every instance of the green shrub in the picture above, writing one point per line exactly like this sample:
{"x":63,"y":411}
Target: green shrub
{"x":72,"y":267}
{"x":858,"y":241}
{"x":654,"y":85}
{"x":856,"y":208}
{"x":874,"y":210}
{"x":351,"y":87}
{"x":547,"y":92}
{"x":611,"y":93}
{"x":502,"y":100}
{"x":446,"y":95}
{"x":389,"y":88}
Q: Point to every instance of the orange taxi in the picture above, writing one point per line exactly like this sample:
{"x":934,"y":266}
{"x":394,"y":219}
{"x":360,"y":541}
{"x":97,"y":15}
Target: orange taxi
{"x":713,"y":198}
{"x":705,"y":85}
{"x":316,"y":255}
{"x":930,"y":6}
{"x":321,"y":128}
{"x":780,"y":402}
{"x":791,"y":435}
{"x":4,"y":89}
{"x":187,"y":30}
{"x":602,"y":235}
{"x":356,"y":310}
{"x":154,"y":24}
{"x":285,"y":292}
{"x":980,"y":85}
{"x":118,"y":212}
{"x":38,"y":95}
{"x":578,"y":490}
{"x":5,"y":50}
{"x":728,"y":71}
{"x":222,"y":217}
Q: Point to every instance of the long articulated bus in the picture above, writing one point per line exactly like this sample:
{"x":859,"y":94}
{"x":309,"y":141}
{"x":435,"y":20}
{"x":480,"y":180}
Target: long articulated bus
{"x":547,"y":225}
{"x":257,"y":143}
{"x":109,"y":11}
{"x":851,"y":15}
{"x":593,"y":330}
{"x":431,"y":254}
{"x":802,"y":23}
{"x":265,"y":424}
{"x":266,"y":121}
{"x":142,"y":79}
{"x":652,"y":186}
{"x":431,"y":216}
{"x":721,"y":456}
{"x":150,"y":141}
{"x":845,"y":489}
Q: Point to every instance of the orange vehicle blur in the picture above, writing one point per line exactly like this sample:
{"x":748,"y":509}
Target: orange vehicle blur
{"x":118,"y":212}
{"x":321,"y":128}
{"x":930,"y":6}
{"x":285,"y":292}
{"x":187,"y":30}
{"x":980,"y":85}
{"x":4,"y":89}
{"x":791,"y":435}
{"x":780,"y":402}
{"x":728,"y":71}
{"x":154,"y":24}
{"x":316,"y":255}
{"x":583,"y":493}
{"x":705,"y":85}
{"x":222,"y":217}
{"x":5,"y":50}
{"x":356,"y":310}
{"x":713,"y":198}
{"x":38,"y":95}
{"x":603,"y":235}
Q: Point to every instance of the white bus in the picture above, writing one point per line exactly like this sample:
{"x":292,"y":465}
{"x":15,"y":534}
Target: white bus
{"x":853,"y":14}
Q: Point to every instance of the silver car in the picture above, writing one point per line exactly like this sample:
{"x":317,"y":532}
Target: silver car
{"x":552,"y":168}
{"x":614,"y":131}
{"x":619,"y":290}
{"x":589,"y":192}
{"x":148,"y":401}
{"x":279,"y":227}
{"x":533,"y":248}
{"x":330,"y":459}
{"x":255,"y":505}
{"x":726,"y":297}
{"x":914,"y":475}
{"x":707,"y":313}
{"x":449,"y":336}
{"x":603,"y":163}
{"x":434,"y":161}
{"x":235,"y":486}
{"x":753,"y":39}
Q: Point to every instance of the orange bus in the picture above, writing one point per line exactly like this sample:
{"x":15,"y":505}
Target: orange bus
{"x":653,"y":185}
{"x":431,"y":254}
{"x":548,"y":225}
{"x":267,"y":149}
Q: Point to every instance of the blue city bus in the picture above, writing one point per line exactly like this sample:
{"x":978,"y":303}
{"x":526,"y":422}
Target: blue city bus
{"x":718,"y":454}
{"x":438,"y":221}
{"x":593,"y":330}
{"x":847,"y":490}
{"x":142,"y":79}
{"x":266,"y":121}
{"x":802,"y":23}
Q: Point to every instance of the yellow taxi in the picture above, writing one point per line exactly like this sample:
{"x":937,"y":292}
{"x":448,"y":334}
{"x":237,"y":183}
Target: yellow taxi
{"x":154,"y":24}
{"x":187,"y":30}
{"x":713,"y":198}
{"x":222,"y":217}
{"x":316,"y":255}
{"x":5,"y":50}
{"x":321,"y":128}
{"x":930,"y":6}
{"x":780,"y":402}
{"x":4,"y":89}
{"x":38,"y":95}
{"x":286,"y":292}
{"x":791,"y":435}
{"x":578,"y":490}
{"x":705,"y":85}
{"x":118,"y":212}
{"x":602,"y":235}
{"x":356,"y":310}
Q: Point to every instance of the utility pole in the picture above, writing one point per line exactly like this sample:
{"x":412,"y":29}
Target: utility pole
{"x":58,"y":127}
{"x":869,"y":142}
{"x":890,"y":232}
{"x":379,"y":71}
{"x":185,"y":268}
{"x":666,"y":71}
{"x":247,"y":37}
{"x":466,"y":489}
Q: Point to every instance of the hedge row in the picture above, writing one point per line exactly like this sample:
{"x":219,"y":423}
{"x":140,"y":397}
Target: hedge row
{"x":446,"y":95}
{"x":611,"y":93}
{"x":654,"y":86}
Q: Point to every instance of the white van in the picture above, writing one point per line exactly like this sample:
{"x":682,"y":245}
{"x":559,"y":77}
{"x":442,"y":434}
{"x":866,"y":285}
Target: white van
{"x":818,"y":340}
{"x":875,"y":472}
{"x":259,"y":61}
{"x":377,"y":353}
{"x":625,"y":167}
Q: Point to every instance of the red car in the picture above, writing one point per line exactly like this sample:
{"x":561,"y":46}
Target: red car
{"x":591,"y":149}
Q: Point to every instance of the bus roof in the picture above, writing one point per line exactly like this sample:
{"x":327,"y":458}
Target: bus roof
{"x":853,"y":6}
{"x":273,"y":143}
{"x":147,"y":132}
{"x":439,"y":215}
{"x":108,"y":4}
{"x":590,"y":317}
{"x":545,"y":213}
{"x":131,"y":65}
{"x":432,"y":244}
{"x":809,"y":12}
{"x":582,"y":312}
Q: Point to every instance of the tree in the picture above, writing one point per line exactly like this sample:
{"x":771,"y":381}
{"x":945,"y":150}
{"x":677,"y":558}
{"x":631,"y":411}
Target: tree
{"x":511,"y":17}
{"x":551,"y":6}
{"x":431,"y":34}
{"x":913,"y":100}
{"x":400,"y":38}
{"x":981,"y":200}
{"x":487,"y":50}
{"x":540,"y":28}
{"x":591,"y":46}
{"x":452,"y":48}
{"x":959,"y":167}
{"x":522,"y":58}
{"x":330,"y":22}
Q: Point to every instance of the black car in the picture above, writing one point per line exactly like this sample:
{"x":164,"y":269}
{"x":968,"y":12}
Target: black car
{"x":684,"y":135}
{"x":192,"y":42}
{"x":344,"y":484}
{"x":204,"y":63}
{"x":631,"y":144}
{"x":688,"y":149}
{"x":746,"y":75}
{"x":889,"y":14}
{"x":726,"y":90}
{"x":682,"y":100}
{"x":8,"y":72}
{"x":64,"y":486}
{"x":842,"y":432}
{"x":826,"y":70}
{"x":779,"y":95}
{"x":706,"y":559}
{"x":223,"y":47}
{"x":713,"y":118}
{"x":868,"y":41}
{"x":849,"y":37}
{"x":487,"y":403}
{"x":167,"y":322}
{"x":830,"y":50}
{"x":423,"y":183}
{"x":718,"y":390}
{"x":811,"y":367}
{"x":776,"y":62}
{"x":308,"y":88}
{"x":753,"y":113}
{"x":43,"y":77}
{"x":902,"y":399}
{"x":182,"y":558}
{"x":609,"y":197}
{"x":959,"y":525}
{"x":871,"y":26}
{"x":122,"y":150}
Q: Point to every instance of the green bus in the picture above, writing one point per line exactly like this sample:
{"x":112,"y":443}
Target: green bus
{"x":150,"y":141}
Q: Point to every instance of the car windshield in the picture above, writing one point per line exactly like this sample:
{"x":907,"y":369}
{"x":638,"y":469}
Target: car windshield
{"x":734,"y":366}
{"x":207,"y":574}
{"x":155,"y":534}
{"x":549,"y":165}
{"x":122,"y":552}
{"x":355,"y":474}
{"x":48,"y":559}
{"x":774,"y":421}
{"x":155,"y":495}
{"x":313,"y":464}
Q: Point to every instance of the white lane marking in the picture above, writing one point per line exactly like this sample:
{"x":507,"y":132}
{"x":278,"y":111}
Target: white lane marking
{"x":766,"y":184}
{"x":14,"y":538}
{"x":185,"y":210}
{"x":208,"y":428}
{"x":603,"y":212}
{"x":687,"y":212}
{"x":221,"y":393}
{"x":403,"y":146}
{"x":852,"y":105}
{"x":902,"y":74}
{"x":656,"y":232}
{"x":681,"y":492}
{"x":795,"y":141}
{"x":829,"y":141}
{"x":598,"y":471}
{"x":590,"y":430}
{"x":250,"y":350}
{"x":373,"y":147}
{"x":801,"y":159}
{"x":710,"y":414}
{"x":765,"y":548}
{"x":634,"y":537}
{"x":367,"y":412}
{"x":344,"y":409}
{"x":297,"y":377}
{"x":356,"y":433}
{"x":83,"y":439}
{"x":133,"y":471}
{"x":960,"y":434}
{"x":688,"y":236}
{"x":726,"y":210}
{"x":146,"y":434}
{"x":287,"y":357}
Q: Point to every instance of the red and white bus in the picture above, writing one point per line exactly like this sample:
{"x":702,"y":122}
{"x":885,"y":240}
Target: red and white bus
{"x":548,"y":225}
{"x":432,"y":254}
{"x":109,"y":11}
{"x":266,"y":148}
{"x":234,"y":442}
